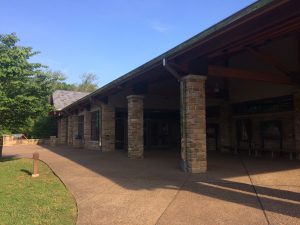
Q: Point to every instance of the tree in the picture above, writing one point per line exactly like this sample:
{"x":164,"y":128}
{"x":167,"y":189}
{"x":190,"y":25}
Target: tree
{"x":24,"y":86}
{"x":57,"y":81}
{"x":88,"y":82}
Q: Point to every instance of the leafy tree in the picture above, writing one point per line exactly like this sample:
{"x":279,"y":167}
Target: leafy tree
{"x":24,"y":87}
{"x":88,"y":82}
{"x":57,"y":81}
{"x":44,"y":127}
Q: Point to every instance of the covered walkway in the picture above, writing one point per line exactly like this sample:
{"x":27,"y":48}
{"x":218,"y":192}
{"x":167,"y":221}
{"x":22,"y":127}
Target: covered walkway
{"x":112,"y":189}
{"x":233,"y":87}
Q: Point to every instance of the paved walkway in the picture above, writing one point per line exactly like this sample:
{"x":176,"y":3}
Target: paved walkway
{"x":111,"y":189}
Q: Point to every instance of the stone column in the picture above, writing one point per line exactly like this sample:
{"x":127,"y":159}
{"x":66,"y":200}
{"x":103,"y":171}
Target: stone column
{"x":63,"y":135}
{"x":297,"y":122}
{"x":87,"y":128}
{"x":70,"y":130}
{"x":75,"y":127}
{"x":77,"y":143}
{"x":135,"y":126}
{"x":225,"y":126}
{"x":53,"y":140}
{"x":107,"y":128}
{"x":193,"y":123}
{"x":7,"y":140}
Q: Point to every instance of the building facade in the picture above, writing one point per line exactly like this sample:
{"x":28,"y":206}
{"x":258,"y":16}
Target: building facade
{"x":233,"y":87}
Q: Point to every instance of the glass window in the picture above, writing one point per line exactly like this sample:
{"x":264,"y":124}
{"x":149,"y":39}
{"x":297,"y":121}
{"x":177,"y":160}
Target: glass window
{"x":80,"y":127}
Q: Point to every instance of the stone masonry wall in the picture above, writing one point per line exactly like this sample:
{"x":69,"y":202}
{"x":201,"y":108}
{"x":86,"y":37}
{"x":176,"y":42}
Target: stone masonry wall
{"x":107,"y":128}
{"x":193,"y":123}
{"x":135,"y":126}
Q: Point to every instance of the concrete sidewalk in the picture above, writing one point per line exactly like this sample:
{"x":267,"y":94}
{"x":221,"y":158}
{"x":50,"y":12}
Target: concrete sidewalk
{"x":111,"y":189}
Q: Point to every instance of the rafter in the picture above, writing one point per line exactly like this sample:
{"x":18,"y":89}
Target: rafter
{"x":269,"y":59}
{"x":246,"y":74}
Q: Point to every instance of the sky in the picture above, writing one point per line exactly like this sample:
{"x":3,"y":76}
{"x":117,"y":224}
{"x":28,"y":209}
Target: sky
{"x":107,"y":37}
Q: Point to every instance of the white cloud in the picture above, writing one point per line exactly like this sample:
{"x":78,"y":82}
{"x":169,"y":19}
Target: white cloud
{"x":160,"y":27}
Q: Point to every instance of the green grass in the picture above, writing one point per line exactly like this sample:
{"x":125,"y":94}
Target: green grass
{"x":27,"y":200}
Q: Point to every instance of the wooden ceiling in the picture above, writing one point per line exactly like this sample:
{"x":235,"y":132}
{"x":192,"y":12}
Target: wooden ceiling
{"x":278,"y":21}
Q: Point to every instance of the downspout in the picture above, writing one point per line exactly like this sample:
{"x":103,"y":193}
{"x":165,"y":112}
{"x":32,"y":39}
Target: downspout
{"x":175,"y":74}
{"x":97,"y":104}
{"x":170,"y":69}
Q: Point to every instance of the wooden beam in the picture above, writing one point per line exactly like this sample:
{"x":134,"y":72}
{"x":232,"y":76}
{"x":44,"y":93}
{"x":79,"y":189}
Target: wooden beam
{"x":269,"y":59}
{"x":171,"y":70}
{"x":246,"y":74}
{"x":181,"y":68}
{"x":236,"y":40}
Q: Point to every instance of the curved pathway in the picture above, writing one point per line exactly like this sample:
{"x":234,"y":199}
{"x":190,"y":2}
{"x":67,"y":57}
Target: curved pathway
{"x":111,"y":189}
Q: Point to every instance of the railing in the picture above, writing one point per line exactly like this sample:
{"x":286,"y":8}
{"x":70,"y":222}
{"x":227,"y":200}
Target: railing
{"x":8,"y":140}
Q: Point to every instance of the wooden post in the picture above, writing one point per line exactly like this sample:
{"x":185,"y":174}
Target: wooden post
{"x":35,"y":164}
{"x":1,"y":146}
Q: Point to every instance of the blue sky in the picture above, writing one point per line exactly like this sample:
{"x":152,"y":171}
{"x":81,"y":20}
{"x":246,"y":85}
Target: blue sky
{"x":107,"y":37}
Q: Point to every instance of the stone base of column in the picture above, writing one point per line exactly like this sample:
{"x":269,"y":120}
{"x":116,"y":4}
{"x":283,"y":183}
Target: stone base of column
{"x":197,"y":167}
{"x":77,"y":143}
{"x":92,"y":145}
{"x":135,"y":155}
{"x":87,"y":129}
{"x":53,"y":140}
{"x":108,"y":128}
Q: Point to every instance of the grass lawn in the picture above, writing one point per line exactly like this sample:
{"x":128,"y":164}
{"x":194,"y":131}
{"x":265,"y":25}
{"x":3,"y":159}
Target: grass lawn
{"x":27,"y":200}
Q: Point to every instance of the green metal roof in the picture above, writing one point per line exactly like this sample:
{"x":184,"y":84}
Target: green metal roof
{"x":179,"y":48}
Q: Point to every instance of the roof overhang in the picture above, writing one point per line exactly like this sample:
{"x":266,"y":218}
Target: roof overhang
{"x":253,"y":25}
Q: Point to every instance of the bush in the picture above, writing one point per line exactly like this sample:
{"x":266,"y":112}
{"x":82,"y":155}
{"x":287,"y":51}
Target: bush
{"x":44,"y":127}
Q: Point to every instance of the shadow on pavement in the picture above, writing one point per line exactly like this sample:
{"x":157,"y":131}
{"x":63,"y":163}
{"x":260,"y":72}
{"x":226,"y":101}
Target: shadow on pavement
{"x":226,"y":178}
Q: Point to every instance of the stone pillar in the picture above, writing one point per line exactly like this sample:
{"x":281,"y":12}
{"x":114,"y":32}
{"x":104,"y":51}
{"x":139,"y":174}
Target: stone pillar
{"x":63,"y":129}
{"x":297,"y":122}
{"x":225,"y":126}
{"x":77,"y":143}
{"x":87,"y":128}
{"x":7,"y":140}
{"x":193,"y":123}
{"x":75,"y":127}
{"x":107,"y":128}
{"x":135,"y":126}
{"x":70,"y":130}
